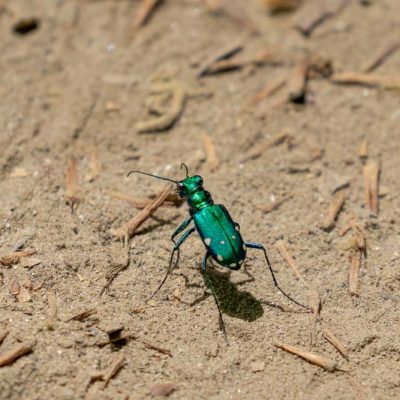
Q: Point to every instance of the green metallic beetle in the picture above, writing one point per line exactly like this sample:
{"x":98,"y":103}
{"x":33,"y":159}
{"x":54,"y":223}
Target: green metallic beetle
{"x":219,"y":233}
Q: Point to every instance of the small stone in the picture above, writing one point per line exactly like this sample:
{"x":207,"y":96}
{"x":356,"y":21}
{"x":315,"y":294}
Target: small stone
{"x":15,"y":288}
{"x":257,"y":366}
{"x":162,"y":389}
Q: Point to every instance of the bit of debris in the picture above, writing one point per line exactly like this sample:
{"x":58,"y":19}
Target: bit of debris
{"x":18,"y":351}
{"x":162,"y":389}
{"x":334,"y":207}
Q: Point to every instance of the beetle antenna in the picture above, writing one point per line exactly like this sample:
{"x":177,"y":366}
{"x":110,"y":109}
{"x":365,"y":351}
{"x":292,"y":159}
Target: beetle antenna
{"x":186,"y":168}
{"x":154,"y":176}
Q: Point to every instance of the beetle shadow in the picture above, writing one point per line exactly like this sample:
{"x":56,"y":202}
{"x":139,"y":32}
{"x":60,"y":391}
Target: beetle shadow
{"x":232,"y":301}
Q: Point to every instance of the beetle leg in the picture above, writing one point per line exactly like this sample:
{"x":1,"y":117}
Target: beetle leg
{"x":210,"y":285}
{"x":176,"y":248}
{"x":261,"y":247}
{"x":177,"y":231}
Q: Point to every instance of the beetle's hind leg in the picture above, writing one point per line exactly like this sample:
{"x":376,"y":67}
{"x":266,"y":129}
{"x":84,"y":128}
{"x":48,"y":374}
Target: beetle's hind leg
{"x":210,"y":285}
{"x":261,"y":247}
{"x":172,"y":265}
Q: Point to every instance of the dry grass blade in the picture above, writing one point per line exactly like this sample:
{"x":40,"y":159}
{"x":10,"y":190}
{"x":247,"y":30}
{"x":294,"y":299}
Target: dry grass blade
{"x":156,"y":348}
{"x":313,"y":358}
{"x":82,"y":315}
{"x":112,"y":370}
{"x":334,"y":341}
{"x":212,"y":158}
{"x":273,"y":205}
{"x":283,"y":249}
{"x":129,"y":228}
{"x":371,"y":183}
{"x":334,"y":207}
{"x":18,"y":351}
{"x":355,"y":78}
{"x":71,"y":182}
{"x":146,"y":9}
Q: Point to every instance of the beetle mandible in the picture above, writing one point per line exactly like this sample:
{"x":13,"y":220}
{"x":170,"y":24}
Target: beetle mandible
{"x":217,"y":230}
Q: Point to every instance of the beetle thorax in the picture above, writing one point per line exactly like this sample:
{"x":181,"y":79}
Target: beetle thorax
{"x":192,"y":190}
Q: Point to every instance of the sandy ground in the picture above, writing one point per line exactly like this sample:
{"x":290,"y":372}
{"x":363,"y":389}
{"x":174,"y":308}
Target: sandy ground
{"x":75,"y":87}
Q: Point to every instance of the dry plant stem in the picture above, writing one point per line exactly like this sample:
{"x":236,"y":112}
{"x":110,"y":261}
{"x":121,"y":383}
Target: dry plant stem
{"x":315,"y":305}
{"x":212,"y":158}
{"x":382,"y":57}
{"x":94,"y":164}
{"x":337,"y":203}
{"x":128,"y":229}
{"x":313,"y":358}
{"x":116,"y":365}
{"x":257,"y":151}
{"x":296,"y":85}
{"x":159,"y":349}
{"x":82,"y":315}
{"x":314,"y":13}
{"x":359,"y":233}
{"x":139,"y":203}
{"x":371,"y":182}
{"x":3,"y":335}
{"x":273,"y":205}
{"x":363,"y":150}
{"x":334,"y":341}
{"x":354,"y":272}
{"x":282,"y":247}
{"x":227,"y":52}
{"x":267,"y":91}
{"x":14,"y":258}
{"x":167,"y":120}
{"x":52,"y":299}
{"x":144,"y":13}
{"x":71,"y":182}
{"x":18,"y":351}
{"x":355,"y":78}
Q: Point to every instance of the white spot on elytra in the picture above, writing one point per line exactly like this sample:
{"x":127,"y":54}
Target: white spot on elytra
{"x":207,"y":241}
{"x":237,"y":228}
{"x":219,"y":257}
{"x":233,"y":265}
{"x":240,"y":262}
{"x":233,"y":237}
{"x":222,"y":242}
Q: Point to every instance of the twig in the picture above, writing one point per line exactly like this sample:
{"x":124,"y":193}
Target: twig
{"x":371,"y":182}
{"x":18,"y":351}
{"x":167,"y":120}
{"x":334,"y":341}
{"x":71,"y":183}
{"x":129,"y":228}
{"x":222,"y":54}
{"x":268,"y":90}
{"x":159,"y":349}
{"x":363,"y":150}
{"x":146,"y":9}
{"x":296,"y":85}
{"x":382,"y":57}
{"x":3,"y":335}
{"x":313,"y":358}
{"x":82,"y":315}
{"x":273,"y":205}
{"x":116,"y":365}
{"x":14,"y":258}
{"x":355,"y":78}
{"x":282,"y":247}
{"x":256,"y":151}
{"x":51,"y":297}
{"x":314,"y":13}
{"x":334,"y":207}
{"x":212,"y":158}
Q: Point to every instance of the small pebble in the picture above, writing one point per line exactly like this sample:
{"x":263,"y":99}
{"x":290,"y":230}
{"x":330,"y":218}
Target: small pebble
{"x":162,"y":389}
